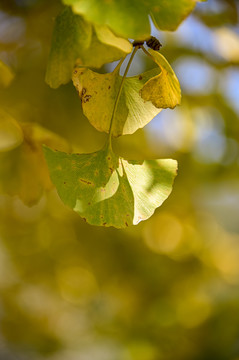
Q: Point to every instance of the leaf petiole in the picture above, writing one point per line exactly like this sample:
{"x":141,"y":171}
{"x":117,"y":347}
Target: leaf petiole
{"x":118,"y":66}
{"x":147,"y":53}
{"x":119,"y":93}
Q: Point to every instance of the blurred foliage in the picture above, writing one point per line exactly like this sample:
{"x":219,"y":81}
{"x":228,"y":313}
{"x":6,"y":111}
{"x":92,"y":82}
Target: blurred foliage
{"x":167,"y":289}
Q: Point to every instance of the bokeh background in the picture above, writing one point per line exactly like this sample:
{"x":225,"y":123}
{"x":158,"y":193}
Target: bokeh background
{"x":165,"y":289}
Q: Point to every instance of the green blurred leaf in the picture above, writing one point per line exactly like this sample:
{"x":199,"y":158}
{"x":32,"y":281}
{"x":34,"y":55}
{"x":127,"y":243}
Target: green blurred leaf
{"x":76,"y":40}
{"x":71,"y":35}
{"x":120,"y":16}
{"x":107,"y":190}
{"x":168,"y":14}
{"x":130,"y":18}
{"x":162,"y":90}
{"x":11,"y":134}
{"x":219,"y":16}
{"x":23,"y":171}
{"x":105,"y":47}
{"x":6,"y":75}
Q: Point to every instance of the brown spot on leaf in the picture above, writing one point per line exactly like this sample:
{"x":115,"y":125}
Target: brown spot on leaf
{"x":140,"y":77}
{"x":126,"y":224}
{"x":86,"y":98}
{"x":85,"y":181}
{"x":109,"y":87}
{"x":84,"y":219}
{"x":64,"y":183}
{"x":74,"y":164}
{"x":111,"y":170}
{"x":104,"y":223}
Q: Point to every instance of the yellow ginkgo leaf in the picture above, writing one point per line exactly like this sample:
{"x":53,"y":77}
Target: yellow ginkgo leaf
{"x":162,"y":90}
{"x":98,"y":94}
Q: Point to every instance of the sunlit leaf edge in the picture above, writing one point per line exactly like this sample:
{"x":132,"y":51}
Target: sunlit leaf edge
{"x":107,"y":190}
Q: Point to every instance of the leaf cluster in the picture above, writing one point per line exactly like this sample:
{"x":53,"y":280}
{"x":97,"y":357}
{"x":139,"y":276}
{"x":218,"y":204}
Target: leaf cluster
{"x":87,"y":35}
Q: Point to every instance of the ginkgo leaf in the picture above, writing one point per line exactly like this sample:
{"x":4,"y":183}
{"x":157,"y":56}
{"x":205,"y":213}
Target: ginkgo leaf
{"x":119,"y":15}
{"x":141,"y":98}
{"x":164,"y":89}
{"x":98,"y":94}
{"x":11,"y":134}
{"x":76,"y":40}
{"x":168,"y":14}
{"x":105,"y":35}
{"x":107,"y":190}
{"x":105,"y":47}
{"x":6,"y":75}
{"x":23,"y":170}
{"x":71,"y":35}
{"x":131,"y":18}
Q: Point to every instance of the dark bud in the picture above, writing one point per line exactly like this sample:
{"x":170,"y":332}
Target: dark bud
{"x":153,"y":43}
{"x":138,"y":43}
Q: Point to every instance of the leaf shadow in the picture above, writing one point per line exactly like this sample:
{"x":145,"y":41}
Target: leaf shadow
{"x":106,"y":190}
{"x":159,"y":173}
{"x":116,"y":210}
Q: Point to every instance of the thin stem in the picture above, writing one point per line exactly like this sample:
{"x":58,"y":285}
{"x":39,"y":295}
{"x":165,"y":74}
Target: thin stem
{"x":146,"y":52}
{"x":118,"y":95}
{"x":118,"y":66}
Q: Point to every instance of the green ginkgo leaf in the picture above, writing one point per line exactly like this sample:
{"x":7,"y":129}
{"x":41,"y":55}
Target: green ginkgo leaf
{"x":168,"y":14}
{"x":131,"y":18}
{"x":105,"y":47}
{"x":162,"y":90}
{"x":71,"y":35}
{"x":141,"y":99}
{"x":107,"y":190}
{"x":75,"y":40}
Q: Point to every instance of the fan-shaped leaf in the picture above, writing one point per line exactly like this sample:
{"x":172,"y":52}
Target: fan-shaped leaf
{"x":130,"y":18}
{"x":158,"y":88}
{"x":105,"y":47}
{"x":76,"y":40}
{"x":164,"y":89}
{"x":98,"y":94}
{"x":71,"y":35}
{"x":107,"y":190}
{"x":168,"y":14}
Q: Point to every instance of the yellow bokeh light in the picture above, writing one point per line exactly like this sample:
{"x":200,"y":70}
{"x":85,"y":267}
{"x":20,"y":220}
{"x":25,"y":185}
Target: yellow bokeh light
{"x":77,"y":285}
{"x":163,"y":233}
